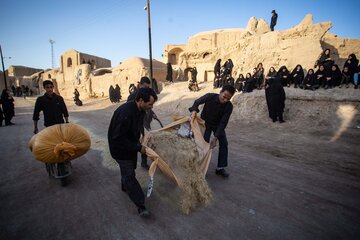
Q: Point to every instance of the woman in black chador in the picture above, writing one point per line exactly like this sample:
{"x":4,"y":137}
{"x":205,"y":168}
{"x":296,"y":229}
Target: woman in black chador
{"x":112,"y":94}
{"x":297,"y":76}
{"x":346,"y":77}
{"x":194,"y":74}
{"x":8,"y":107}
{"x":325,"y":60}
{"x":249,"y":83}
{"x":258,"y":76}
{"x":275,"y":98}
{"x":320,"y":75}
{"x":217,"y":68}
{"x":217,"y":74}
{"x":333,"y":79}
{"x":77,"y":100}
{"x":272,"y":74}
{"x":309,"y":81}
{"x":169,"y":72}
{"x":284,"y":76}
{"x":117,"y":93}
{"x":351,"y":63}
{"x":229,"y":65}
{"x":240,"y":83}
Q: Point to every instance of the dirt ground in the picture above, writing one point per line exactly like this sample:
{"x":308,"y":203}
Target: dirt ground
{"x":288,"y":181}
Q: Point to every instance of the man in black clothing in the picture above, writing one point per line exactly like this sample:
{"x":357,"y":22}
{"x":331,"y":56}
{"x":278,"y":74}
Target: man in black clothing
{"x":123,"y":136}
{"x":52,"y":105}
{"x":54,"y":111}
{"x":274,"y":17}
{"x":216,"y":113}
{"x":149,"y":114}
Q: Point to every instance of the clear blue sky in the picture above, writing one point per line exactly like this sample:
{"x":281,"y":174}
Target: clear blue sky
{"x":117,"y":29}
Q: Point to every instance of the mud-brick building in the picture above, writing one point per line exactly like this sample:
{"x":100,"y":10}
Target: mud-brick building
{"x":71,"y":59}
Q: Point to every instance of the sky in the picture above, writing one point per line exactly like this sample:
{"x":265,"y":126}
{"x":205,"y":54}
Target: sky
{"x":118,"y":29}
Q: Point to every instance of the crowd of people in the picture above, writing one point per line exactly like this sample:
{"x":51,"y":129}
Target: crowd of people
{"x":21,"y":91}
{"x":326,"y":74}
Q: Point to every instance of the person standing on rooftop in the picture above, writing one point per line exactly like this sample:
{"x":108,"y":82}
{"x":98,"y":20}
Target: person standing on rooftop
{"x":273,"y":22}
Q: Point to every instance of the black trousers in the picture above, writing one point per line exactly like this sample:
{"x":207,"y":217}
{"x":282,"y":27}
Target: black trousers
{"x":223,"y":148}
{"x":130,"y":183}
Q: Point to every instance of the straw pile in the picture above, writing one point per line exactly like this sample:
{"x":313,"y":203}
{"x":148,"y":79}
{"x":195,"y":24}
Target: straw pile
{"x":182,"y":157}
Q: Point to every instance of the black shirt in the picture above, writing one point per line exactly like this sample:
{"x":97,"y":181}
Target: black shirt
{"x":53,"y":107}
{"x":124,"y":131}
{"x":215,"y":114}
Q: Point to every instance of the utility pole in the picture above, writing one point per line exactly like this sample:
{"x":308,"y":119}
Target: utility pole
{"x":52,"y":53}
{"x":2,"y":62}
{"x":150,"y":48}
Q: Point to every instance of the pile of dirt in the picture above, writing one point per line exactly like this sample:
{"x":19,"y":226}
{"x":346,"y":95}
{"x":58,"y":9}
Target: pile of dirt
{"x":181,"y":154}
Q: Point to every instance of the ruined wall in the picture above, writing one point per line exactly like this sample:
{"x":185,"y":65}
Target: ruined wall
{"x":301,"y":44}
{"x":95,"y":62}
{"x":20,"y":71}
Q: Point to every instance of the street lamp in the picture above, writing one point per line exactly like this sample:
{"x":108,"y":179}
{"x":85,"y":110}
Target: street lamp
{"x":2,"y":62}
{"x":149,"y":30}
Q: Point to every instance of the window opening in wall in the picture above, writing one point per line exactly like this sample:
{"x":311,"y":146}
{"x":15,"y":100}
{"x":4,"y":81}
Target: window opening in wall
{"x":69,"y":62}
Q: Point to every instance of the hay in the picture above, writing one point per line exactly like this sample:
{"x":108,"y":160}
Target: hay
{"x":182,"y":157}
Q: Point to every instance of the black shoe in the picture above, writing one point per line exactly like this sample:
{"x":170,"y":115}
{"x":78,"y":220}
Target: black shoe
{"x":356,"y":87}
{"x":143,"y":212}
{"x":281,"y":121}
{"x":274,"y":120}
{"x":222,"y":172}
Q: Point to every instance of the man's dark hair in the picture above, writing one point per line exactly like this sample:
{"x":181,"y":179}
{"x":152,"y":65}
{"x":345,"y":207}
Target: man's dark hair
{"x":46,"y":82}
{"x":228,"y":88}
{"x":144,"y":80}
{"x":145,"y":94}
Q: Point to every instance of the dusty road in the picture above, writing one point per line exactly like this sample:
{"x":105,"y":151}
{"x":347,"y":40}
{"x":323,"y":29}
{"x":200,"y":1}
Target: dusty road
{"x":284,"y":184}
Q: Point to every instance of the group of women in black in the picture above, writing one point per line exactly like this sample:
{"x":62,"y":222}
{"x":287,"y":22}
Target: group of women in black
{"x":115,"y":93}
{"x":223,"y":74}
{"x":327,"y":75}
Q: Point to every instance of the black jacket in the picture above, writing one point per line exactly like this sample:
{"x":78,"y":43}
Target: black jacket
{"x":215,"y":114}
{"x":124,"y":131}
{"x":54,"y":109}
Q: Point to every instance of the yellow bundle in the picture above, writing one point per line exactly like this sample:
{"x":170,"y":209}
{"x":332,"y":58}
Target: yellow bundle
{"x":60,"y":143}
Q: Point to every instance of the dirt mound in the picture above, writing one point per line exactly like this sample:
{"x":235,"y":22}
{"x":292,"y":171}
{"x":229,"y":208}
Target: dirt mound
{"x":180,"y":153}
